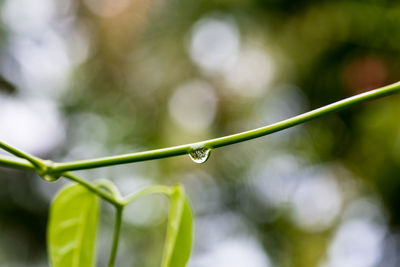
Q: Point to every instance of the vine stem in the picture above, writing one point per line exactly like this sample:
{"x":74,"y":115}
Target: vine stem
{"x":166,"y":190}
{"x":110,"y":186}
{"x":117,"y":230}
{"x":212,"y":143}
{"x":113,"y":199}
{"x":17,"y":163}
{"x":35,"y":162}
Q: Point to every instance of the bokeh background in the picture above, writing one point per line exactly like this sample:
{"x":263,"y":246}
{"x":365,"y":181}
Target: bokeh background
{"x":90,"y":78}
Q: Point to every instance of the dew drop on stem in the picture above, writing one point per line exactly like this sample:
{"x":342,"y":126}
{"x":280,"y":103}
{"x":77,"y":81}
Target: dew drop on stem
{"x":200,"y":155}
{"x":50,"y":177}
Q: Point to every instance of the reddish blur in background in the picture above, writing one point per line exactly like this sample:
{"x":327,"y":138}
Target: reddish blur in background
{"x":90,"y":78}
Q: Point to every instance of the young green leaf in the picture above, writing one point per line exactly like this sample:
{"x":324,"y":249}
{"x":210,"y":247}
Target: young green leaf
{"x":178,"y":243}
{"x":72,"y":227}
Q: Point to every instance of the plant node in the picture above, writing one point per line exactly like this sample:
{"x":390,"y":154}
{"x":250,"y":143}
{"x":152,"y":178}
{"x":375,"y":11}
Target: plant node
{"x":46,"y":171}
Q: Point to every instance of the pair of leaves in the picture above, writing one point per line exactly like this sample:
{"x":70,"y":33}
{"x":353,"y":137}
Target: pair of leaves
{"x":71,"y":233}
{"x":73,"y":225}
{"x":178,"y":243}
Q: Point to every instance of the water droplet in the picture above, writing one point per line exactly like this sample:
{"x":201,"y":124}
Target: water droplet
{"x":200,"y":155}
{"x":45,"y":173}
{"x":50,"y":177}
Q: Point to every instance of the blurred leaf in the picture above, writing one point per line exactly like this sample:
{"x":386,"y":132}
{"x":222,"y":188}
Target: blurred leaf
{"x":178,"y":243}
{"x":6,"y":85}
{"x":72,"y":227}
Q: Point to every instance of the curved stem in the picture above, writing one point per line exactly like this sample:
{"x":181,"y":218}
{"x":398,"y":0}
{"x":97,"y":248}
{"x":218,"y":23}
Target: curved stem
{"x":108,"y":185}
{"x":94,"y":189}
{"x":149,"y":190}
{"x":117,"y":230}
{"x":228,"y":140}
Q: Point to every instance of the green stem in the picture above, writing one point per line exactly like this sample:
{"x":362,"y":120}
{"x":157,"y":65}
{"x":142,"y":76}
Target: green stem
{"x":231,"y":139}
{"x":38,"y":163}
{"x":17,"y":163}
{"x":108,"y":185}
{"x":213,"y":143}
{"x":93,"y":188}
{"x":117,"y":230}
{"x":149,"y":190}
